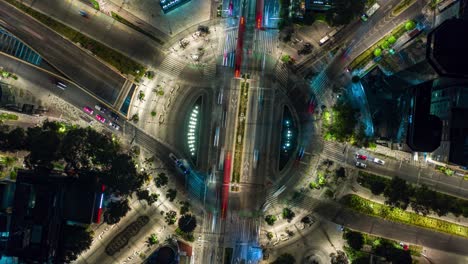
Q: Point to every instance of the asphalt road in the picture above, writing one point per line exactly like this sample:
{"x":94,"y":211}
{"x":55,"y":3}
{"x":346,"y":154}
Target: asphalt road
{"x":454,"y":185}
{"x":75,"y":63}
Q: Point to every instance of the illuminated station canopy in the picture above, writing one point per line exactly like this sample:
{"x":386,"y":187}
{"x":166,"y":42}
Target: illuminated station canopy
{"x":169,"y":5}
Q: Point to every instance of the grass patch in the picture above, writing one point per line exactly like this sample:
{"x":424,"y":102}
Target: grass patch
{"x":121,"y":62}
{"x":135,"y":27}
{"x":8,"y":116}
{"x":95,"y":4}
{"x":371,"y":208}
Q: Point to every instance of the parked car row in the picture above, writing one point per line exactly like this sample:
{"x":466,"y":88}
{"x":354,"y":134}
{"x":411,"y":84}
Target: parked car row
{"x":360,"y":158}
{"x":101,"y":118}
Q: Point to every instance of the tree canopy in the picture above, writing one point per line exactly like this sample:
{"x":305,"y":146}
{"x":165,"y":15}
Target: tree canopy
{"x":355,"y":239}
{"x":187,"y":223}
{"x":75,"y":240}
{"x":115,"y":211}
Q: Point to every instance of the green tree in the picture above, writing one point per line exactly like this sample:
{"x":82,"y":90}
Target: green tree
{"x":161,"y":180}
{"x":270,"y":219}
{"x":187,"y":223}
{"x":75,"y":240}
{"x":152,"y":240}
{"x":288,"y":214}
{"x":285,"y":258}
{"x":377,"y":52}
{"x":355,"y":239}
{"x":269,"y":235}
{"x":44,"y":148}
{"x":391,"y":40}
{"x":115,"y":211}
{"x":170,"y":217}
{"x":171,"y":194}
{"x":410,"y":25}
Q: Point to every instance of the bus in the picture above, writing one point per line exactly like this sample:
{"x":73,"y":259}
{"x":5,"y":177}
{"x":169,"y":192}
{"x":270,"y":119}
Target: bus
{"x":370,"y":12}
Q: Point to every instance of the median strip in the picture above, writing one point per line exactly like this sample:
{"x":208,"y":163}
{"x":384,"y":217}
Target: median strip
{"x":116,"y":59}
{"x":240,"y":130}
{"x":371,"y":208}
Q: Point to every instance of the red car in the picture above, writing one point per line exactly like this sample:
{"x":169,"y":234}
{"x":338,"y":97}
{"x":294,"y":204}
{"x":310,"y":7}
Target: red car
{"x":88,"y":110}
{"x":100,"y":118}
{"x":361,"y":157}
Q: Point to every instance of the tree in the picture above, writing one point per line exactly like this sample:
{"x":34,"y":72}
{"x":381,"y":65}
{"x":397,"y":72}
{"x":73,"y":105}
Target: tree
{"x":345,"y":11}
{"x":170,"y":217}
{"x":377,"y":52}
{"x":341,"y":173}
{"x":398,"y":193}
{"x":288,"y":214}
{"x":285,"y":258}
{"x":75,"y":240}
{"x":391,"y":40}
{"x":152,"y":240}
{"x":185,"y":207}
{"x":16,"y":139}
{"x":145,"y":195}
{"x":423,"y":200}
{"x":123,"y":176}
{"x":115,"y":211}
{"x":355,"y":239}
{"x":269,"y":235}
{"x":171,"y":194}
{"x":161,"y":180}
{"x":187,"y":223}
{"x":410,"y":25}
{"x":44,"y":149}
{"x":270,"y":219}
{"x":338,"y":258}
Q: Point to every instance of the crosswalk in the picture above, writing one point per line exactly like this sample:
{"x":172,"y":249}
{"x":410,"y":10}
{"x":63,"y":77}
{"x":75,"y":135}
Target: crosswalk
{"x":172,"y":66}
{"x":209,"y":72}
{"x":266,"y":41}
{"x":228,"y":48}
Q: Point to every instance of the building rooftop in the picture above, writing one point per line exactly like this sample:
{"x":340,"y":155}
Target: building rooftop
{"x":446,"y":49}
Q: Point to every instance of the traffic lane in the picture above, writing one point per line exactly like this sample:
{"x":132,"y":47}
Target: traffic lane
{"x":77,"y":64}
{"x":451,"y":185}
{"x":381,"y":227}
{"x":103,"y":28}
{"x":45,"y":81}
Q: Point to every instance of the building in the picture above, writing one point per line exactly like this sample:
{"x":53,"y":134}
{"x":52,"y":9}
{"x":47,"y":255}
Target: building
{"x":318,"y":5}
{"x":43,"y":204}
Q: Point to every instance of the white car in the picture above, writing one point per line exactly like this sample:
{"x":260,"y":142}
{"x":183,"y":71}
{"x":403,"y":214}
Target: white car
{"x":361,"y":165}
{"x":379,"y":161}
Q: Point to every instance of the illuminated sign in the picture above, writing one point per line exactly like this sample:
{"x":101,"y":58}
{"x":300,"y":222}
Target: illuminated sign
{"x":169,"y":5}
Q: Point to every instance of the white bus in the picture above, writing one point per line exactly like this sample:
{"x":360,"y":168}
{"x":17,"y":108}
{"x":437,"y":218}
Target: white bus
{"x":370,"y":12}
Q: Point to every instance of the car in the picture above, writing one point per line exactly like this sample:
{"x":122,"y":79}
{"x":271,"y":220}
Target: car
{"x":101,"y":118}
{"x":114,"y":125}
{"x":114,"y":116}
{"x":60,"y":85}
{"x":174,"y":158}
{"x":379,"y":161}
{"x":100,"y":108}
{"x":361,"y":157}
{"x":184,"y":169}
{"x":88,"y":110}
{"x":300,"y":154}
{"x":361,"y":165}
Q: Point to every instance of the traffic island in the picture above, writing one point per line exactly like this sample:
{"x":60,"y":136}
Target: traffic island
{"x":239,"y":135}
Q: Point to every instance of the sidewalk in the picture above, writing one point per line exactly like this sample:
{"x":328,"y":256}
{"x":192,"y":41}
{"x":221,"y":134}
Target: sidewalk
{"x":110,"y":7}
